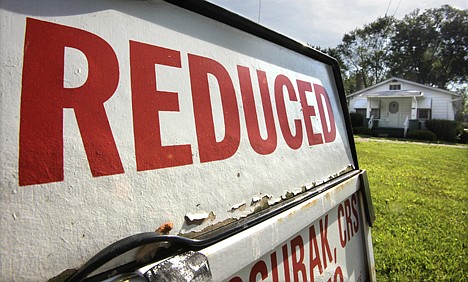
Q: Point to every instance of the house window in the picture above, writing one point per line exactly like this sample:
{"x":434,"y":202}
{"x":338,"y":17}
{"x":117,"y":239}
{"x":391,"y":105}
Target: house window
{"x":393,"y":107}
{"x":375,"y":113}
{"x":424,"y":114}
{"x":394,"y":87}
{"x":363,"y":112}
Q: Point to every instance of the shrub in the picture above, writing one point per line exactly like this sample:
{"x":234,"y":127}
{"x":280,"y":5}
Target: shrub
{"x":463,"y":137}
{"x":445,"y":130}
{"x":362,"y":130}
{"x":357,"y":119}
{"x":424,"y":135}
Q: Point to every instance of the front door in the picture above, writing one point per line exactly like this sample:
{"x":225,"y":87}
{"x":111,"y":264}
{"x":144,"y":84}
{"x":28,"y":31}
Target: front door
{"x":393,"y":113}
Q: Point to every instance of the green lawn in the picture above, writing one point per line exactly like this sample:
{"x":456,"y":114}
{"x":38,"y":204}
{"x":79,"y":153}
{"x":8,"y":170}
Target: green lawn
{"x":420,"y":196}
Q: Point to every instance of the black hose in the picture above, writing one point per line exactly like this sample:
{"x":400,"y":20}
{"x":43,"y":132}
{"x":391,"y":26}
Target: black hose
{"x":124,"y":245}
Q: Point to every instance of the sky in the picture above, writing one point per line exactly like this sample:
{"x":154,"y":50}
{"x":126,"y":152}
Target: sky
{"x":324,"y":22}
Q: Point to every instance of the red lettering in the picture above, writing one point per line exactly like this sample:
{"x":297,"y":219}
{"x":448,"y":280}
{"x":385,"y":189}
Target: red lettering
{"x":348,"y":227}
{"x":209,"y":148}
{"x":236,"y":279}
{"x":338,"y":274}
{"x":314,"y":253}
{"x":341,"y":231}
{"x":324,"y":242}
{"x":259,"y":268}
{"x":308,"y":111}
{"x":329,"y":132}
{"x":148,"y":102}
{"x":261,"y":146}
{"x":293,"y":141}
{"x":355,"y":212}
{"x":274,"y":267}
{"x":297,"y":244}
{"x":44,"y":97}
{"x":287,"y":275}
{"x":349,"y":221}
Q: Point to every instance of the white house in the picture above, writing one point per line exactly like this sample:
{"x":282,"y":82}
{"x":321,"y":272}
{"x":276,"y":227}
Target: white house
{"x":395,"y":101}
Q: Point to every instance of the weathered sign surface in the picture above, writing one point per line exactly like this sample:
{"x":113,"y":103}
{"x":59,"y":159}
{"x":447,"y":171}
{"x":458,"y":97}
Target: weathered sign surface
{"x":117,"y":116}
{"x":331,"y":245}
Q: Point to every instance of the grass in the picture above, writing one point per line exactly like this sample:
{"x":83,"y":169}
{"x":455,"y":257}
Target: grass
{"x":420,"y":196}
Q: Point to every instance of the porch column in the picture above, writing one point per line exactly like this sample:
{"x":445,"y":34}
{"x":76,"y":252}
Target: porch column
{"x":368,"y":112}
{"x":414,"y":108}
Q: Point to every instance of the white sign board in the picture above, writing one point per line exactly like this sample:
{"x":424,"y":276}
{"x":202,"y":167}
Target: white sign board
{"x":330,"y":247}
{"x":116,"y":116}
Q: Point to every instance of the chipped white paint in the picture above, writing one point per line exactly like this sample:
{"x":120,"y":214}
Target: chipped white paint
{"x":260,"y":249}
{"x":60,"y":216}
{"x":197,"y":216}
{"x":256,"y":199}
{"x":235,"y":207}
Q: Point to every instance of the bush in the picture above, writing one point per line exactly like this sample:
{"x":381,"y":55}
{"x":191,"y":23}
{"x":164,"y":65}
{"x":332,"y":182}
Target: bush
{"x":445,"y":130}
{"x":424,"y":135}
{"x":362,"y":130}
{"x":463,"y":137}
{"x":357,"y":119}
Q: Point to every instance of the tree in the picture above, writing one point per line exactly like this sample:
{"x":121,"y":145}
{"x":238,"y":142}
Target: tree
{"x":462,"y":105}
{"x":431,"y":47}
{"x":349,"y":81}
{"x":365,"y":51}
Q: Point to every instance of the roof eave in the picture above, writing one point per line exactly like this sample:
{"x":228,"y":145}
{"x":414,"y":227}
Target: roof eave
{"x":403,"y":81}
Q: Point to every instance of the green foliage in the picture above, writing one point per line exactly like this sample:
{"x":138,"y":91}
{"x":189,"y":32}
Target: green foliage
{"x":357,"y":119}
{"x":428,"y":47}
{"x":349,"y":82}
{"x":364,"y":51}
{"x":445,"y":130}
{"x":431,"y":47}
{"x":424,"y":135}
{"x":463,"y":137}
{"x":421,"y":203}
{"x":461,"y":114}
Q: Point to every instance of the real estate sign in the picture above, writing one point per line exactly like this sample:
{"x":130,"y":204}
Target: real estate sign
{"x":117,"y":116}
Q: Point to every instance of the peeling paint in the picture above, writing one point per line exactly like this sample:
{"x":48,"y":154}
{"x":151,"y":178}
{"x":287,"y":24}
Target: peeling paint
{"x":274,"y":201}
{"x":199,"y":218}
{"x":196,"y":234}
{"x":286,"y":196}
{"x":241,"y":210}
{"x":255,"y":200}
{"x":239,"y":207}
{"x":260,"y":204}
{"x":297,"y":191}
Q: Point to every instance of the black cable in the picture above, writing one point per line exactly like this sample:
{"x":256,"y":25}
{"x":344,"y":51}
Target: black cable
{"x":124,"y":245}
{"x":125,"y":268}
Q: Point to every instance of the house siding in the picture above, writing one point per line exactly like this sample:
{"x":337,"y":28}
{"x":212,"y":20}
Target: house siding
{"x":357,"y":103}
{"x":440,"y":103}
{"x":442,"y":107}
{"x":394,"y":120}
